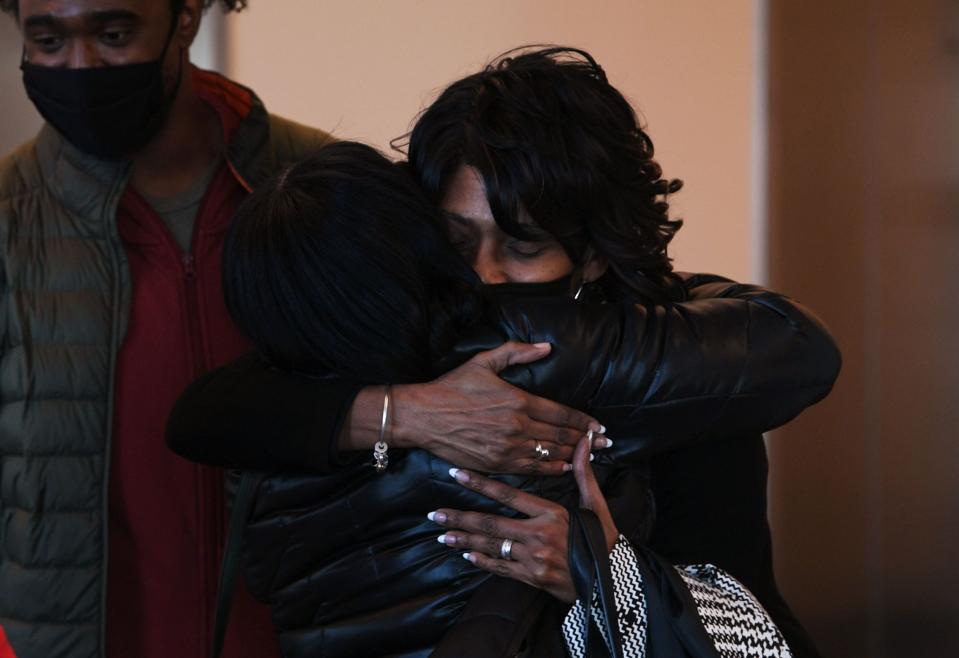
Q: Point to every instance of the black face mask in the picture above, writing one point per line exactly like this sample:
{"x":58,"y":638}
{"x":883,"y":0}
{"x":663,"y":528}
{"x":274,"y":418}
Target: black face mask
{"x":108,"y":111}
{"x":561,"y":287}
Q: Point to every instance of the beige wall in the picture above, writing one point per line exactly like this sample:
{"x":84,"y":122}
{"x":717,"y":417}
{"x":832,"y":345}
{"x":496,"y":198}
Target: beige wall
{"x":19,"y":120}
{"x":364,"y":69}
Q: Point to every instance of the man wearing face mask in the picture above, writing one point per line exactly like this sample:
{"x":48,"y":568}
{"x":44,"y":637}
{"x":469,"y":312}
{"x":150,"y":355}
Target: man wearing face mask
{"x":112,"y":222}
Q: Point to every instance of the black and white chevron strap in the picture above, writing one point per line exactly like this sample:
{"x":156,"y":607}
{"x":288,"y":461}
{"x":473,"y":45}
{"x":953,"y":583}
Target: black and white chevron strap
{"x":630,"y":607}
{"x":733,"y":618}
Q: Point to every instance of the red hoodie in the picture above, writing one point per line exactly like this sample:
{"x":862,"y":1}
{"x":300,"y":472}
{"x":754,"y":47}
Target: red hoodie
{"x":167,"y":515}
{"x":6,"y":651}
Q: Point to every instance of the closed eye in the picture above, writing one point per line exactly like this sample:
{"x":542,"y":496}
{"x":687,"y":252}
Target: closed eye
{"x":526,"y":249}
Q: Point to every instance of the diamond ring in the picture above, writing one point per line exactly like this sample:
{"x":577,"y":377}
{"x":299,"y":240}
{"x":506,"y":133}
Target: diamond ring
{"x":541,"y":452}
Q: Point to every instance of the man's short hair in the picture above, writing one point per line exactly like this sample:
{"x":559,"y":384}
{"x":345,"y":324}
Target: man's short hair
{"x":13,"y":6}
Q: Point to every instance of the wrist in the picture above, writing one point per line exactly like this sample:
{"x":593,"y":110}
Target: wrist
{"x":406,"y":430}
{"x":361,"y":430}
{"x":381,"y":457}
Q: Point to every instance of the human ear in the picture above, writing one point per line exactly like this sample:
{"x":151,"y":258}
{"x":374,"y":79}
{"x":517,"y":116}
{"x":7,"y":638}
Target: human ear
{"x":188,"y":22}
{"x":594,"y":265}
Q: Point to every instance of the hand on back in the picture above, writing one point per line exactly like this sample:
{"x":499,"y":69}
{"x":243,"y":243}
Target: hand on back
{"x":473,"y":419}
{"x":537,"y":552}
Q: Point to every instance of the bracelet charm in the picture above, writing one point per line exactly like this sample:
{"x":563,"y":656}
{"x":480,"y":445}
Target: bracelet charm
{"x":380,"y":457}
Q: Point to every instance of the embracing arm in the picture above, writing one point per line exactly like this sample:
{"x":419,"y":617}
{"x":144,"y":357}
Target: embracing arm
{"x":732,"y":359}
{"x":249,"y":414}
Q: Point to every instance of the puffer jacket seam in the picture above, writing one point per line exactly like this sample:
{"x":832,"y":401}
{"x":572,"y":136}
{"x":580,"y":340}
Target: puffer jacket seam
{"x":40,"y":343}
{"x":53,"y":455}
{"x":45,"y":622}
{"x":110,"y":206}
{"x":736,"y":396}
{"x":53,"y":398}
{"x":51,"y":567}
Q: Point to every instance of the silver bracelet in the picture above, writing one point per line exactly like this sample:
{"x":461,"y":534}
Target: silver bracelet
{"x":380,"y":459}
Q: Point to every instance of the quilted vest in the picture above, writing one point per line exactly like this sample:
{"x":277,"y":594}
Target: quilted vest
{"x":64,"y":304}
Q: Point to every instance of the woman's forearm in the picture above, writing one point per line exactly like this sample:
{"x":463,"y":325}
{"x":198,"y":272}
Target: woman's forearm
{"x":251,"y":415}
{"x":731,"y":359}
{"x":361,"y":429}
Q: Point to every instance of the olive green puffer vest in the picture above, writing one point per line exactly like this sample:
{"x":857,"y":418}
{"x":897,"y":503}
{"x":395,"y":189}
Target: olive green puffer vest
{"x":64,"y":301}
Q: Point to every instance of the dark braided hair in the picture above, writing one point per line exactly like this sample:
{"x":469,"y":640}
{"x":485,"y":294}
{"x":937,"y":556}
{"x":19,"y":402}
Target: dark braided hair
{"x":549,"y":134}
{"x":13,"y":6}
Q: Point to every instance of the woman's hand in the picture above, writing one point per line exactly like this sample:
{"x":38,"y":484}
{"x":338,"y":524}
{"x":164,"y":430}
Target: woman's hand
{"x":472,"y":418}
{"x":539,"y":552}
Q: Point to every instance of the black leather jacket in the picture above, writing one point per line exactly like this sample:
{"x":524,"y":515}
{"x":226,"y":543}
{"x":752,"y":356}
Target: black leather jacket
{"x":351,"y":566}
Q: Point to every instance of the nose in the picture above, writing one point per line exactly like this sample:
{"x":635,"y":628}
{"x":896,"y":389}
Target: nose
{"x":488,"y":268}
{"x":83,"y":54}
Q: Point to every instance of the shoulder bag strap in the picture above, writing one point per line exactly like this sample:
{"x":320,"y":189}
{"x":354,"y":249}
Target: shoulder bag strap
{"x":242,"y":506}
{"x":589,"y":567}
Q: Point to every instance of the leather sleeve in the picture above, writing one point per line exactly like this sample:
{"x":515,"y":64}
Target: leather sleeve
{"x":732,"y":359}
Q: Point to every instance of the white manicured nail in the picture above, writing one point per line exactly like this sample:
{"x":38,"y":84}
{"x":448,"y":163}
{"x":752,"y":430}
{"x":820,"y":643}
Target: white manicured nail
{"x":441,"y":539}
{"x":453,"y":472}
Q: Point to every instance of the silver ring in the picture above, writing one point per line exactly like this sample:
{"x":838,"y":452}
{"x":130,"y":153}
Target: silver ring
{"x":506,"y":549}
{"x":541,"y":452}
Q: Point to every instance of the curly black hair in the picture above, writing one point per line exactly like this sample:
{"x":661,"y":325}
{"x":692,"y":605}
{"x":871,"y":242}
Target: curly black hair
{"x":13,"y":6}
{"x":549,"y":134}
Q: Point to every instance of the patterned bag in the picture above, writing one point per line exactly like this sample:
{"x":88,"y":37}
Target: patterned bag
{"x":645,"y":607}
{"x":738,"y":625}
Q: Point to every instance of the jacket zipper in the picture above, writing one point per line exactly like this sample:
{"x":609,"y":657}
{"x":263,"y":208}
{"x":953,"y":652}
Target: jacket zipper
{"x":116,"y":340}
{"x":210,"y":480}
{"x":204,"y":475}
{"x":194,"y":330}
